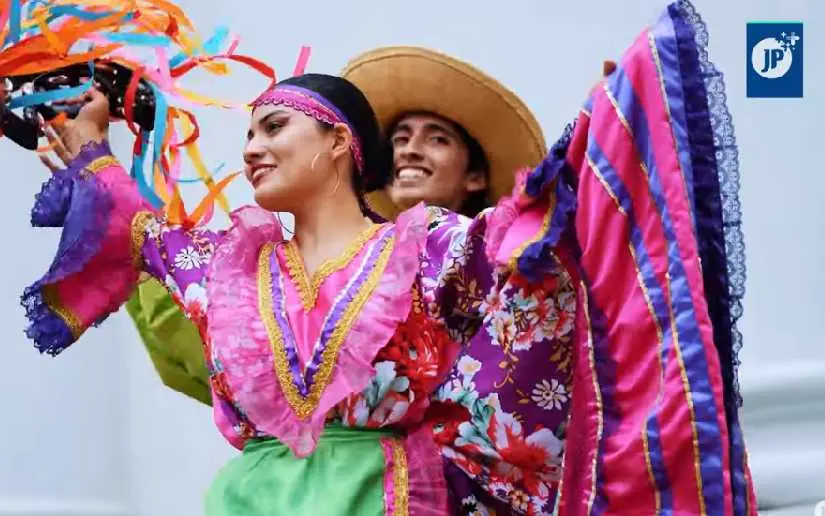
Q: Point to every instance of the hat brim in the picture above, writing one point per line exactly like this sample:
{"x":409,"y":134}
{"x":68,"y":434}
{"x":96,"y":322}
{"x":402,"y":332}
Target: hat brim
{"x":400,"y":79}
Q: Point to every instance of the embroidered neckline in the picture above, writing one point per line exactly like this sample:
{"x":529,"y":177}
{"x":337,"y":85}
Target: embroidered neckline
{"x":307,"y":288}
{"x":303,"y":391}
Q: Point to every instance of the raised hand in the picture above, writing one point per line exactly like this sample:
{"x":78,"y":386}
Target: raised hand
{"x":608,"y":67}
{"x":90,"y":125}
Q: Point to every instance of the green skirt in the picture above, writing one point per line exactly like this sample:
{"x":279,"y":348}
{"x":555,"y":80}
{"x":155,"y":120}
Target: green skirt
{"x":344,"y":476}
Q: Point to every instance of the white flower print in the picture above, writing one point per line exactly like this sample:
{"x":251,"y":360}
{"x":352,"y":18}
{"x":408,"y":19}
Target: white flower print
{"x":172,"y":287}
{"x":472,"y":507}
{"x":547,"y":441}
{"x":361,"y":412}
{"x":195,"y":294}
{"x":390,"y":411}
{"x":494,"y":302}
{"x":567,"y":305}
{"x":503,"y":330}
{"x":549,"y":395}
{"x":458,"y":391}
{"x":493,"y":402}
{"x":519,"y":500}
{"x":153,"y":227}
{"x":188,"y":258}
{"x":469,"y":434}
{"x":468,"y":366}
{"x":507,"y":429}
{"x":385,"y":379}
{"x":524,"y":303}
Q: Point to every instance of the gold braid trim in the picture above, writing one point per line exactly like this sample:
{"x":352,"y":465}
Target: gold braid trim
{"x":99,"y":164}
{"x":400,"y":478}
{"x":308,"y":290}
{"x":137,"y":231}
{"x":305,"y":406}
{"x":52,"y":300}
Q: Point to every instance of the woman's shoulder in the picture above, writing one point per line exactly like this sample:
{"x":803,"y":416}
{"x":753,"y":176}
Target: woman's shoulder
{"x":255,"y":224}
{"x":436,"y":217}
{"x":442,"y":232}
{"x":250,"y":229}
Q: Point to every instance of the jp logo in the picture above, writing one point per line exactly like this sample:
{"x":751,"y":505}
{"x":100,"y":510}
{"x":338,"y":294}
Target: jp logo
{"x":774,"y":60}
{"x":771,"y":58}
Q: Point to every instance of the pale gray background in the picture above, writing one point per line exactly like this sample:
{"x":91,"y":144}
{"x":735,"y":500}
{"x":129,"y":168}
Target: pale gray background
{"x":95,"y":433}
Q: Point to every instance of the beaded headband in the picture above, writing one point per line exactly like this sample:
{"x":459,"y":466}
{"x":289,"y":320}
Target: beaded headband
{"x":311,"y":104}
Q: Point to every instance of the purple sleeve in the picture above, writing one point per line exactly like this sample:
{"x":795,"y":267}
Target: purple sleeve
{"x":503,"y":285}
{"x":103,"y":247}
{"x":179,"y":259}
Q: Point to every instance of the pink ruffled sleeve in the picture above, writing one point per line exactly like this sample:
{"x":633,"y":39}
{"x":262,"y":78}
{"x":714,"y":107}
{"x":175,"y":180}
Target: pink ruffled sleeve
{"x":109,"y":234}
{"x":649,"y":173}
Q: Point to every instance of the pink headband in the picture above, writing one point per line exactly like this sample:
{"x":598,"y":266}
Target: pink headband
{"x":314,"y":105}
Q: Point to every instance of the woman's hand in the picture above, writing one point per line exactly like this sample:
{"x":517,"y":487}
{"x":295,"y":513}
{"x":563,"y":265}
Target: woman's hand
{"x":90,"y":125}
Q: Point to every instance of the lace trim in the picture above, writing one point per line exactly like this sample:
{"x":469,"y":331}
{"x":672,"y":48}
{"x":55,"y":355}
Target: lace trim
{"x":304,"y":406}
{"x":727,"y":162}
{"x":555,"y":172}
{"x":48,"y":331}
{"x":308,"y":288}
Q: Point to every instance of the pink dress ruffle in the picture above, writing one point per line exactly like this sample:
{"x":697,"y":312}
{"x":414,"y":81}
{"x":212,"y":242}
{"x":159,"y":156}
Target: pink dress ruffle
{"x":500,"y":221}
{"x":241,"y":345}
{"x":428,"y":495}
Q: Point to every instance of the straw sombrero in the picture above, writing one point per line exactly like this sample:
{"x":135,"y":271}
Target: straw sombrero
{"x":398,"y":80}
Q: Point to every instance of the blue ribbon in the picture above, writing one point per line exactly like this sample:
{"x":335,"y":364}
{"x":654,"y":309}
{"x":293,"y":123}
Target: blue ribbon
{"x":43,"y":97}
{"x":215,"y":173}
{"x":130,"y":38}
{"x":81,"y":14}
{"x":161,"y":109}
{"x":212,"y":46}
{"x":14,"y":23}
{"x":138,"y":175}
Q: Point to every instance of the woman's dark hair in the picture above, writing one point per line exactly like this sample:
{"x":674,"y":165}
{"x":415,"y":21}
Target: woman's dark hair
{"x":476,"y":161}
{"x":354,"y":105}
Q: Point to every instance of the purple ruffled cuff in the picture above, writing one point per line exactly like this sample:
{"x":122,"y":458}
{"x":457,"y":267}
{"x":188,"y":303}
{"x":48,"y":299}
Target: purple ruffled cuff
{"x":82,"y":206}
{"x":553,"y":172}
{"x":50,"y":333}
{"x":532,"y":187}
{"x":51,"y":205}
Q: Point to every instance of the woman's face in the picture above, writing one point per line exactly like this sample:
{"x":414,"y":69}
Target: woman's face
{"x":430,"y":163}
{"x":282,"y":144}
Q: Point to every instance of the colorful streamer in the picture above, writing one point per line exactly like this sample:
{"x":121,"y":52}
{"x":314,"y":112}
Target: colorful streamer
{"x":40,"y":36}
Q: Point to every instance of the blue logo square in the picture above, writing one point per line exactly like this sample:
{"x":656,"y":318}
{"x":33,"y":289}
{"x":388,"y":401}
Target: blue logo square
{"x":774,"y":60}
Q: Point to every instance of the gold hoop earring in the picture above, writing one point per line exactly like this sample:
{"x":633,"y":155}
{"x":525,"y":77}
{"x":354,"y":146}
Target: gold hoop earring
{"x":337,"y":180}
{"x":312,"y":163}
